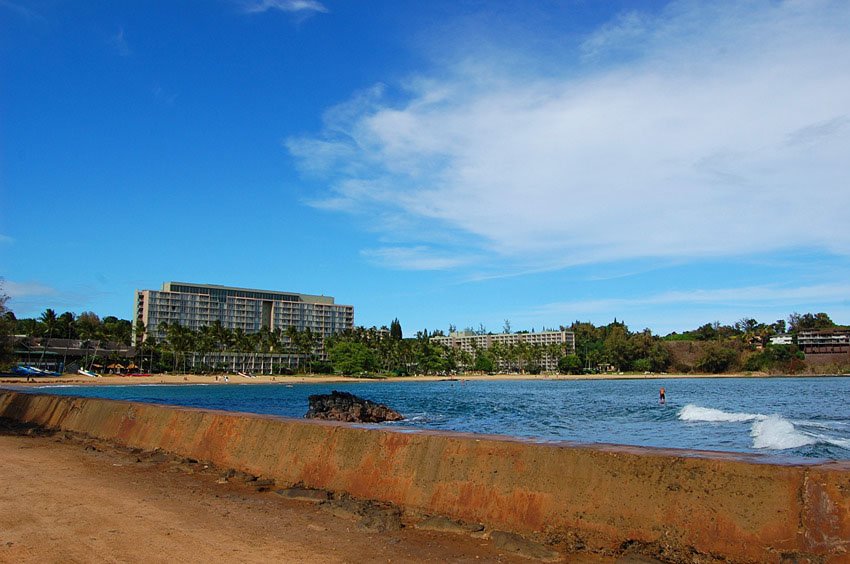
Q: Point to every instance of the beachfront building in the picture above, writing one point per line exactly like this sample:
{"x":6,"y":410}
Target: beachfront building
{"x":553,"y":343}
{"x":197,"y":305}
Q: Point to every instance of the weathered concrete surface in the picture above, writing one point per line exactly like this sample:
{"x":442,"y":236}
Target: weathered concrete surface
{"x":603,"y":496}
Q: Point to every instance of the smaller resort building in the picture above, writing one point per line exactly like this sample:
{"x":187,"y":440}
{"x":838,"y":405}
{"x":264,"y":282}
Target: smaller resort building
{"x":836,"y":340}
{"x":552,"y":343}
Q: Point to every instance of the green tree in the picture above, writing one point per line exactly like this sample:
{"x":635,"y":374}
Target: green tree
{"x":484,"y":362}
{"x":88,"y":326}
{"x":395,"y":330}
{"x":66,"y":327}
{"x":117,"y":330}
{"x":349,"y":357}
{"x":7,"y":326}
{"x":589,"y":342}
{"x":808,"y":322}
{"x":304,"y":343}
{"x":570,"y":364}
{"x":717,"y":358}
{"x":49,"y":322}
{"x":617,"y":347}
{"x":707,"y":332}
{"x":647,"y":353}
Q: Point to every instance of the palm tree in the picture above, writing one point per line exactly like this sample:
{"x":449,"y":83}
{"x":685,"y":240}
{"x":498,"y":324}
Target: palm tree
{"x":49,"y":320}
{"x":306,"y":345}
{"x":180,"y":339}
{"x":205,"y":343}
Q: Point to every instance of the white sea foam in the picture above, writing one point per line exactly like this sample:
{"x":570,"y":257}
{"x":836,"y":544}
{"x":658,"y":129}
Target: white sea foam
{"x":696,"y":413}
{"x":772,"y":432}
{"x":843,"y":443}
{"x":777,"y":433}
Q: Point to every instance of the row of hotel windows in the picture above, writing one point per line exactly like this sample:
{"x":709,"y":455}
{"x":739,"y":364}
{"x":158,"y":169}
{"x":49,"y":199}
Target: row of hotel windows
{"x":200,"y":322}
{"x":245,"y":294}
{"x":247,"y":311}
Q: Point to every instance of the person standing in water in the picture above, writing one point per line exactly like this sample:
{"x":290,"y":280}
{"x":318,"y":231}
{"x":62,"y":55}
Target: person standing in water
{"x":662,"y":396}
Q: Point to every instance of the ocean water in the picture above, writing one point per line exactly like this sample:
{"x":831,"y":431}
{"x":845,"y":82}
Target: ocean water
{"x":783,"y":418}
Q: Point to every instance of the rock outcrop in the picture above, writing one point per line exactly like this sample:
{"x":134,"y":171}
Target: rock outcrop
{"x":342,"y":406}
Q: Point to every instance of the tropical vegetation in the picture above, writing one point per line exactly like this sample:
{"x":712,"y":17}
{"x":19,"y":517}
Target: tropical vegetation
{"x":711,"y":348}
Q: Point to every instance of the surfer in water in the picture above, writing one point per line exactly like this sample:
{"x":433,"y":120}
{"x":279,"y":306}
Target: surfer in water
{"x":662,"y":398}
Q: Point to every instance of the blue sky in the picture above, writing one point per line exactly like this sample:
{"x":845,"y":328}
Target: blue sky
{"x":444,"y":162}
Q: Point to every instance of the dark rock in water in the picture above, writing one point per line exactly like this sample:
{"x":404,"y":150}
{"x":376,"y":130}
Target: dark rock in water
{"x":342,"y":406}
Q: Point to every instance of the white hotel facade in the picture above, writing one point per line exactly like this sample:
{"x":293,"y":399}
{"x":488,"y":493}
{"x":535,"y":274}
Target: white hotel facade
{"x":198,"y":305}
{"x":469,"y":342}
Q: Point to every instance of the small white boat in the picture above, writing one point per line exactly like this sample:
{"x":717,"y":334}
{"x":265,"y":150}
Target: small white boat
{"x":88,"y":373}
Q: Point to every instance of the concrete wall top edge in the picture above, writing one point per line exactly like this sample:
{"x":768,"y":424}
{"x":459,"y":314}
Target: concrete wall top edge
{"x":603,"y":448}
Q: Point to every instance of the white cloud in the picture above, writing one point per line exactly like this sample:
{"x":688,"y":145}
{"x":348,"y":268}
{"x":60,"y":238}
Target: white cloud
{"x":284,"y":6}
{"x":5,"y":239}
{"x":724,"y":134}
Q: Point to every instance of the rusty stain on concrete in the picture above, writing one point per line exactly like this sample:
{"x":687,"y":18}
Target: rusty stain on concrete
{"x":740,"y":506}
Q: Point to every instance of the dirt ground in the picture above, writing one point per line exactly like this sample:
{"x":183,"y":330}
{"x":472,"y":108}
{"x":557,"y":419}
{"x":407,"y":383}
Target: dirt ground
{"x":70,"y":499}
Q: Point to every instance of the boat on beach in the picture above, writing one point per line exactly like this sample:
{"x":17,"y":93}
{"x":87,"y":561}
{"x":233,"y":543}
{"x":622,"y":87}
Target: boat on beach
{"x":25,"y":370}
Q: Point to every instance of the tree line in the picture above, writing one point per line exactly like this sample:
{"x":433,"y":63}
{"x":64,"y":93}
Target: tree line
{"x":87,"y":326}
{"x":206,"y":345}
{"x":712,"y":347}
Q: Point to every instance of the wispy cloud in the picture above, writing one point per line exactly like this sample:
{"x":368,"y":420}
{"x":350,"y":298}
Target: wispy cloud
{"x":30,"y":298}
{"x":414,"y":258}
{"x":17,"y":290}
{"x":617,"y":36}
{"x":294,"y":6}
{"x":163,"y":96}
{"x":22,"y":11}
{"x":749,"y":296}
{"x":819,"y":131}
{"x":6,"y":240}
{"x":698,"y":132}
{"x":118,"y":42}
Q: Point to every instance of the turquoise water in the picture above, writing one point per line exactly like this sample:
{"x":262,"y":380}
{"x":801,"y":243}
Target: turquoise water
{"x":782,"y":417}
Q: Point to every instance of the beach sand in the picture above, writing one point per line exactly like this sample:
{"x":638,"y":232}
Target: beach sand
{"x":111,"y":379}
{"x":69,"y":499}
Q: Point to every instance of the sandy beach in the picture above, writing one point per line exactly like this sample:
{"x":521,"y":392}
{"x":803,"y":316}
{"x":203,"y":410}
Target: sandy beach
{"x":119,"y":380}
{"x":71,"y":499}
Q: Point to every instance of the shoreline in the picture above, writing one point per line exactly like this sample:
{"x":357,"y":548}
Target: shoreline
{"x":213,"y":379}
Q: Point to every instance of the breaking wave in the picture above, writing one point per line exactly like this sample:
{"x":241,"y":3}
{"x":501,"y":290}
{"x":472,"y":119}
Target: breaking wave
{"x":777,"y":433}
{"x":772,"y":432}
{"x":696,"y":413}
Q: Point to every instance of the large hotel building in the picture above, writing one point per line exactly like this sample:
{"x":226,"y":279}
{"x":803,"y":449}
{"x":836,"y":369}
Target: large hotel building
{"x":197,"y":305}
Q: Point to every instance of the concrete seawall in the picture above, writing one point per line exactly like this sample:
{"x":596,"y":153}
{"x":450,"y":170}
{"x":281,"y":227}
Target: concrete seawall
{"x":727,"y":505}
